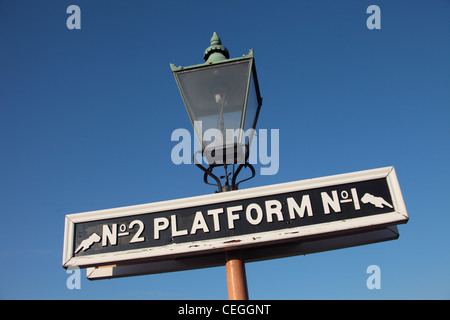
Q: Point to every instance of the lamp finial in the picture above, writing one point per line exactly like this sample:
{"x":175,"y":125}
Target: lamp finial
{"x":216,"y":51}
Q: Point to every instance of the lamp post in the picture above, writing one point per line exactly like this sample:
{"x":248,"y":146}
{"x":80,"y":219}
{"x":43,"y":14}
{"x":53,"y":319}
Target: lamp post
{"x":223,"y":101}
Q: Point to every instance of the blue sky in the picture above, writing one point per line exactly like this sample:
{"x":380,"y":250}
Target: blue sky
{"x":86,"y":118}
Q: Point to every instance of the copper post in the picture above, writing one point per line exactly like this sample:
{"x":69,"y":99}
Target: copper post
{"x":236,"y":279}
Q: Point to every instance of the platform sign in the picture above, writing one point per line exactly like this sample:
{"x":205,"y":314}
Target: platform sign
{"x":279,"y":216}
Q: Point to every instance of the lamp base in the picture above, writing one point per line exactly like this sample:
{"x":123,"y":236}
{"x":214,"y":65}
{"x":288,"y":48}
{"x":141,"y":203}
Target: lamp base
{"x":218,"y":158}
{"x":225,"y":154}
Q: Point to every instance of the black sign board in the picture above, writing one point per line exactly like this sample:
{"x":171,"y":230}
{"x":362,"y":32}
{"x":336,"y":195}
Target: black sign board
{"x":249,"y":218}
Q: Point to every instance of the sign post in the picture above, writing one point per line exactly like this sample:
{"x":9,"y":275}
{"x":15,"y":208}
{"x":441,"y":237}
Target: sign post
{"x":236,"y":278}
{"x":261,"y":223}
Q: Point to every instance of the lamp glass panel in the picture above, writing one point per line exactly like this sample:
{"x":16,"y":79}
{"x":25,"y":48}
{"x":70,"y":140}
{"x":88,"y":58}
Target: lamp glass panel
{"x":215,"y":96}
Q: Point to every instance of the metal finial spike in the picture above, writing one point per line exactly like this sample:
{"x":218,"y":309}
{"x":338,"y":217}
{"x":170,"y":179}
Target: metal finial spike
{"x":215,"y":40}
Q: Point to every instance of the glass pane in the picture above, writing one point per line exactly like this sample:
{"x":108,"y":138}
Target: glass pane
{"x":215,"y":95}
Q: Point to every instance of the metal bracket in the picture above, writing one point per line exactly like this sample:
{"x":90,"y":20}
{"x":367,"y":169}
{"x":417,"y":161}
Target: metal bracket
{"x":208,"y":172}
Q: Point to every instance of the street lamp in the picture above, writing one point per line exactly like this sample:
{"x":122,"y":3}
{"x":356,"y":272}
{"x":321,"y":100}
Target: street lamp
{"x":223,"y":101}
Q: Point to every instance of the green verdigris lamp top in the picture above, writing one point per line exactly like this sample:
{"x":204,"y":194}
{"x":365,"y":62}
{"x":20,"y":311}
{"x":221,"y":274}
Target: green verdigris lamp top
{"x":216,"y":51}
